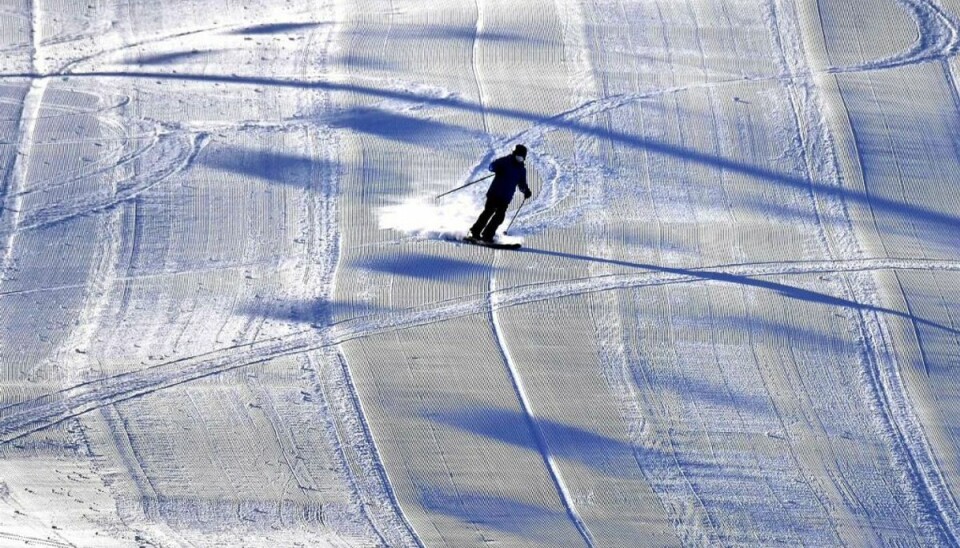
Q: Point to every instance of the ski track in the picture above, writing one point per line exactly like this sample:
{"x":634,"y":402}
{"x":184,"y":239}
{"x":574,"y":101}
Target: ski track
{"x":904,"y":432}
{"x":934,"y":505}
{"x":168,"y":150}
{"x":939,"y":38}
{"x":560,"y":178}
{"x":549,"y":461}
{"x":174,"y":37}
{"x":10,"y":215}
{"x":176,"y":153}
{"x":176,"y":149}
{"x":22,"y":540}
{"x":21,"y":419}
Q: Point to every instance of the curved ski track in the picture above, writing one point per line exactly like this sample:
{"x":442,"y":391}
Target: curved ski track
{"x":24,"y":418}
{"x":938,"y":38}
{"x":176,"y":152}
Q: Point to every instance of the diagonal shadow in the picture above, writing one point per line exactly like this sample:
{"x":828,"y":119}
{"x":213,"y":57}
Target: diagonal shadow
{"x":269,"y":165}
{"x":788,"y":291}
{"x":462,"y":34}
{"x":278,"y":28}
{"x":319,"y":312}
{"x":398,"y":127}
{"x":427,"y":267}
{"x":560,"y":122}
{"x":604,"y":454}
{"x":502,"y":514}
{"x":168,"y":58}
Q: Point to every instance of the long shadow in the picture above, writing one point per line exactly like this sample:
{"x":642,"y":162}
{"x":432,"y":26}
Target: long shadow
{"x":397,"y":127}
{"x":269,"y":165}
{"x":787,"y":335}
{"x":530,"y":521}
{"x":604,"y":454}
{"x":946,"y":221}
{"x":427,"y":267}
{"x":168,"y":58}
{"x":561,"y":122}
{"x":277,"y":28}
{"x":788,"y":291}
{"x":318,"y":312}
{"x":364,"y":63}
{"x":462,"y":33}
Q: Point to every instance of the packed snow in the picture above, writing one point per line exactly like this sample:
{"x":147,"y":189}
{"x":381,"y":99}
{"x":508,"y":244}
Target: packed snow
{"x":235,"y":310}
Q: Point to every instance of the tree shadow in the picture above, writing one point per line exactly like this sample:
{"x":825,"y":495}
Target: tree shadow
{"x":793,"y":336}
{"x":168,"y":58}
{"x":701,"y":391}
{"x":364,"y":63}
{"x":489,"y":511}
{"x":278,"y":28}
{"x":268,"y":165}
{"x":934,"y":221}
{"x":427,"y":267}
{"x":317,"y":312}
{"x":788,"y":291}
{"x":462,"y":34}
{"x":398,"y":127}
{"x":604,"y":454}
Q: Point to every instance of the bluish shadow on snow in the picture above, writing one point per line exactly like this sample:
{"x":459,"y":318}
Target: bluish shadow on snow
{"x":497,"y":513}
{"x":698,"y":390}
{"x":427,"y":267}
{"x":278,"y":28}
{"x":463,"y":34}
{"x":788,"y":291}
{"x":783,"y":334}
{"x":459,"y":33}
{"x":931,"y":293}
{"x":399,"y":127}
{"x":364,"y":63}
{"x":168,"y":58}
{"x":379,"y":181}
{"x":269,"y":165}
{"x":604,"y":454}
{"x":930,"y":221}
{"x":313,"y":312}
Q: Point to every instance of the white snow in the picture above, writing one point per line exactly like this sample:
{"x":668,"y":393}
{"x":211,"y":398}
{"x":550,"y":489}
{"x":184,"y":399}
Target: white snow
{"x":233,"y":310}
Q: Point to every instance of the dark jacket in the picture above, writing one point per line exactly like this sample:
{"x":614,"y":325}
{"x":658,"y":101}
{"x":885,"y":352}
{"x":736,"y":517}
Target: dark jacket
{"x":509,"y":175}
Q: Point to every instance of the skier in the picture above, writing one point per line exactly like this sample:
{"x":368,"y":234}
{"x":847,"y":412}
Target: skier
{"x":509,"y":173}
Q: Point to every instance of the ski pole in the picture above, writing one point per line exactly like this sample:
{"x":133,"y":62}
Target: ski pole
{"x":464,"y":186}
{"x":515,"y":215}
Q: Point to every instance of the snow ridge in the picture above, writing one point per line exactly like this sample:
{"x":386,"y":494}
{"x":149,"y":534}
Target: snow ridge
{"x":938,"y":38}
{"x":21,"y":419}
{"x":933,"y":504}
{"x":548,"y":459}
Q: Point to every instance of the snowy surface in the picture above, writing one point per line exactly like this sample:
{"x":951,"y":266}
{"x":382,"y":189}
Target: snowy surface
{"x":228,"y":315}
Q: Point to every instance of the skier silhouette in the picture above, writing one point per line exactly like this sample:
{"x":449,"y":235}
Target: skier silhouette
{"x":509,"y":173}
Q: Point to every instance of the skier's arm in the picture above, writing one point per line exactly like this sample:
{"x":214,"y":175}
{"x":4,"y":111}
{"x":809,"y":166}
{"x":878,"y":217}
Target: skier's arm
{"x":523,"y":185}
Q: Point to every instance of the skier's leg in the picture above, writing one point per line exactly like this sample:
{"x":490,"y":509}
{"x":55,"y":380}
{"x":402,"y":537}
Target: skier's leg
{"x":499,"y":214}
{"x":488,"y":210}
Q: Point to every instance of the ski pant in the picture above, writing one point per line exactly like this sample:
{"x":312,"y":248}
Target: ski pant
{"x":490,"y":219}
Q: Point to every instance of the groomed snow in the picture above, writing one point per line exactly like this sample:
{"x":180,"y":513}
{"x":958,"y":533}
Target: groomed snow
{"x":232,"y":313}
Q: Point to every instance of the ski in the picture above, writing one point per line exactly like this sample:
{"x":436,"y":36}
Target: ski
{"x":492,"y":245}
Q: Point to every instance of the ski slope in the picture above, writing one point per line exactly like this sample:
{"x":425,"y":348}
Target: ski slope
{"x":229,"y":317}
